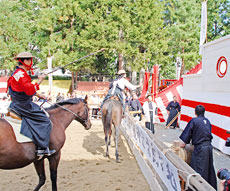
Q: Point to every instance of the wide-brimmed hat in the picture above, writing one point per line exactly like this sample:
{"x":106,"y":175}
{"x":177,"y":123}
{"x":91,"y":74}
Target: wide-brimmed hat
{"x":24,"y":55}
{"x":121,"y":72}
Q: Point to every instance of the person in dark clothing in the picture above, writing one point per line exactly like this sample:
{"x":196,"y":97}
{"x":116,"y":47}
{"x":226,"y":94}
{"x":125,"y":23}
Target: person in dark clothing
{"x":135,"y":105}
{"x":198,"y":131}
{"x":128,"y":99}
{"x":173,"y":108}
{"x":35,"y":124}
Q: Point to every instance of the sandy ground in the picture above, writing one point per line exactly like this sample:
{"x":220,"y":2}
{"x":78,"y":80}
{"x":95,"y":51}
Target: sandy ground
{"x":83,"y":166}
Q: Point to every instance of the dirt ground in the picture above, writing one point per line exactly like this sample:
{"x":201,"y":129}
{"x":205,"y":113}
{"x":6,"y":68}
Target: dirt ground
{"x":83,"y":166}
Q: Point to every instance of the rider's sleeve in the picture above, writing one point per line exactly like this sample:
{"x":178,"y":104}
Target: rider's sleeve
{"x":29,"y":88}
{"x":128,"y":84}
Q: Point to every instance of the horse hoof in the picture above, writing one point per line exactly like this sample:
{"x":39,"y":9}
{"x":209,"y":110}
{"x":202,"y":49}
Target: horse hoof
{"x":107,"y":155}
{"x":118,"y":160}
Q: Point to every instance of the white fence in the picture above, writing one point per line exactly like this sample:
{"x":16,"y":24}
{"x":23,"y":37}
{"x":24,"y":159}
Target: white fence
{"x":140,"y":142}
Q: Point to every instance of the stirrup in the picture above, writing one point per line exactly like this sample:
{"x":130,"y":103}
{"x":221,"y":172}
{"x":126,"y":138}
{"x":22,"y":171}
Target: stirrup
{"x":45,"y":152}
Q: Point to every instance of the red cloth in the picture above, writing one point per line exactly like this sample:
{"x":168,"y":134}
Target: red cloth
{"x":20,"y":81}
{"x":142,"y":98}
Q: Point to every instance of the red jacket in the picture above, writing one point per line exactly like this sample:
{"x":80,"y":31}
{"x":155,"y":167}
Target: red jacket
{"x":20,"y":81}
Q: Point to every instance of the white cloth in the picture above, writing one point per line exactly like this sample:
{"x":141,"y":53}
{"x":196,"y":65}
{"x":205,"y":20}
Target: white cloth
{"x":122,"y":83}
{"x":147,"y":110}
{"x":4,"y":106}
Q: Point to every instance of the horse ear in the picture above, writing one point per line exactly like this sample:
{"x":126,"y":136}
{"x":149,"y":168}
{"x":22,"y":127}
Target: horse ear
{"x":86,"y":98}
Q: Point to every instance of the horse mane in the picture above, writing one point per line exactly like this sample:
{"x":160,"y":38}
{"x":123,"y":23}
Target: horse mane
{"x":68,"y":101}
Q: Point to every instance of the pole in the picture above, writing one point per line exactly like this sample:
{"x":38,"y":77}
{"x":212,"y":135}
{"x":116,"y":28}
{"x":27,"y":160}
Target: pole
{"x":91,"y":54}
{"x":49,"y":62}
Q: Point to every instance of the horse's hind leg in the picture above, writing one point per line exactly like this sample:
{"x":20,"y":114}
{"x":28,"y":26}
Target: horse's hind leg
{"x":107,"y":146}
{"x":53,"y":162}
{"x":116,"y":143}
{"x":39,"y":166}
{"x":107,"y":141}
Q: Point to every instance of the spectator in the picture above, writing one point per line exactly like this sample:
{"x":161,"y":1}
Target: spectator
{"x":59,"y":97}
{"x":135,"y":105}
{"x":128,"y":99}
{"x":198,"y":131}
{"x":173,"y":108}
{"x":95,"y":104}
{"x":149,"y":110}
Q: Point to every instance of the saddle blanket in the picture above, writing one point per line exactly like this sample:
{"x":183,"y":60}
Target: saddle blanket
{"x":16,"y":125}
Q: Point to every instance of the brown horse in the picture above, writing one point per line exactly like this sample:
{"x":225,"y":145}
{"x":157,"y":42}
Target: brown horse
{"x":17,"y":155}
{"x":111,"y":114}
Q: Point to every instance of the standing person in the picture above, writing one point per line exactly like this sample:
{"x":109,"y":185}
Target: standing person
{"x":149,"y":109}
{"x":198,"y":131}
{"x":128,"y":99}
{"x":58,"y":97}
{"x":117,"y":87}
{"x":135,"y":105}
{"x":35,"y":124}
{"x":173,"y":108}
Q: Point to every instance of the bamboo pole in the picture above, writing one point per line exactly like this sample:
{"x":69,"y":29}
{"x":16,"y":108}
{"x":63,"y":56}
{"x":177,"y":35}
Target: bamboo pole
{"x":171,"y":122}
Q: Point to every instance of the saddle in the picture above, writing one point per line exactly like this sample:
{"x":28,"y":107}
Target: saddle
{"x":13,"y":114}
{"x":114,"y":98}
{"x":16,"y":123}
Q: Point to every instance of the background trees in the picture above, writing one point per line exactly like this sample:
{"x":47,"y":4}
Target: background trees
{"x":141,"y":33}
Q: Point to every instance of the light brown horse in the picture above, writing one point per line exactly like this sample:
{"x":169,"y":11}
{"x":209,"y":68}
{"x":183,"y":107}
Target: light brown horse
{"x":111,"y":114}
{"x":17,"y":155}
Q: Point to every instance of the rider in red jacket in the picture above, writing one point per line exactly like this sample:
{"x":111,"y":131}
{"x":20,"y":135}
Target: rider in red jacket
{"x":35,"y":123}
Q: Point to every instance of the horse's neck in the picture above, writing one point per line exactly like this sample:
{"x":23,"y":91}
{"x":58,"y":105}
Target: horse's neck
{"x":61,"y":117}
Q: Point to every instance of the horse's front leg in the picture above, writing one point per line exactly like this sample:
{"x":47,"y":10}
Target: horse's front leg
{"x":40,"y":169}
{"x":53,"y":163}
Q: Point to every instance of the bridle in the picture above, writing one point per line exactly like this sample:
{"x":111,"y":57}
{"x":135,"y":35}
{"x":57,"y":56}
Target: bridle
{"x":86,"y":111}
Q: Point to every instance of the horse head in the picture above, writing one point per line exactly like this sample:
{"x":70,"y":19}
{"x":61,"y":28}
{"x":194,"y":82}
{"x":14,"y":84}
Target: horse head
{"x":83,"y":115}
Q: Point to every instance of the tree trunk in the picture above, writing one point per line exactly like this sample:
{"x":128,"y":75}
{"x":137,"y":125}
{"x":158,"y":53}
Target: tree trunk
{"x":76,"y":74}
{"x":74,"y":81}
{"x":120,"y":61}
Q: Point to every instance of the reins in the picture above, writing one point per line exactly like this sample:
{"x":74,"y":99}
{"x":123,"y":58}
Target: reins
{"x":66,"y":109}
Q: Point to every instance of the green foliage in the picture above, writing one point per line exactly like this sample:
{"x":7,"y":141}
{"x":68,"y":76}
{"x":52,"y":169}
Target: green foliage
{"x":182,"y":20}
{"x":144,"y":32}
{"x":218,"y":18}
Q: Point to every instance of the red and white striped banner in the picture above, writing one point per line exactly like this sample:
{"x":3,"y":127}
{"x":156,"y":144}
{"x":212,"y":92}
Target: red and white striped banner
{"x":3,"y":86}
{"x":216,"y":113}
{"x":164,"y":97}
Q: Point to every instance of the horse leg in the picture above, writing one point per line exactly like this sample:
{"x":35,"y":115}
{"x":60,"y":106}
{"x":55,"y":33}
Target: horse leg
{"x":40,"y":169}
{"x":107,"y":141}
{"x":110,"y":133}
{"x":53,"y":163}
{"x":116,"y":143}
{"x":107,"y":146}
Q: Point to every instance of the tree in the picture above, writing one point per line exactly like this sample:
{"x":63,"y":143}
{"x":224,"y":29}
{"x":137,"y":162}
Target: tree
{"x":14,"y":33}
{"x":182,"y":19}
{"x":218,"y":19}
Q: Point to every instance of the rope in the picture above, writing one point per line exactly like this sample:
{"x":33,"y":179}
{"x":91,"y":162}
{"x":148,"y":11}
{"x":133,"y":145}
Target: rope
{"x":66,"y":109}
{"x":188,"y":177}
{"x":166,"y":150}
